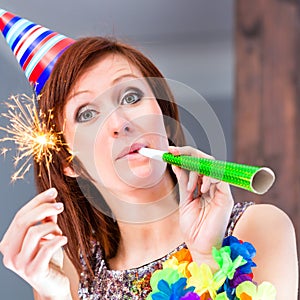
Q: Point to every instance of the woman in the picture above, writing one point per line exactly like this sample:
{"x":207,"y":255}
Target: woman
{"x":110,"y":101}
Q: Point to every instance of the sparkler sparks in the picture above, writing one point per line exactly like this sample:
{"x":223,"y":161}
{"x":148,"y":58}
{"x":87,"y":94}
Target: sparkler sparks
{"x":4,"y":151}
{"x":31,"y":133}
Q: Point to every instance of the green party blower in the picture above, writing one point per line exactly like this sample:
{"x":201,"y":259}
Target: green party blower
{"x":254,"y":179}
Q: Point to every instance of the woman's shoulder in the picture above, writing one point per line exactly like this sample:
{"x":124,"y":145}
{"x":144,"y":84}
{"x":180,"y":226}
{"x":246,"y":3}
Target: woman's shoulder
{"x":260,"y":220}
{"x":270,"y":230}
{"x":263,"y":214}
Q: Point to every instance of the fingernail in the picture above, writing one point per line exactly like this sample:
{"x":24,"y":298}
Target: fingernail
{"x":176,"y":170}
{"x":58,"y":205}
{"x":64,"y":239}
{"x":203,"y":189}
{"x":51,"y":192}
{"x":189,"y":186}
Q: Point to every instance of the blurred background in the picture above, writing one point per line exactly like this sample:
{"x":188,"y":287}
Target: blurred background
{"x":203,"y":44}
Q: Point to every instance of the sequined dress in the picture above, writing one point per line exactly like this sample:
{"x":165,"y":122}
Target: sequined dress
{"x":134,"y":283}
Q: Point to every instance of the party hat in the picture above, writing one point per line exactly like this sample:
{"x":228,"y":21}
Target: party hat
{"x":35,"y":47}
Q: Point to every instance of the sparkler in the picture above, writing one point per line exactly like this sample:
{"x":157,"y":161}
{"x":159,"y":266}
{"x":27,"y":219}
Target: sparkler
{"x":31,"y":132}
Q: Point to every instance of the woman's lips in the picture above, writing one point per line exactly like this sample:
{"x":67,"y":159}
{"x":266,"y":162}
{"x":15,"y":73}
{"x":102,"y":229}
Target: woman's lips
{"x":131,"y":151}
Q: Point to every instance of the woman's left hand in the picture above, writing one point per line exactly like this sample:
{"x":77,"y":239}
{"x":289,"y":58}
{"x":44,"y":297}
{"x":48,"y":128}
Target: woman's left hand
{"x":203,"y":217}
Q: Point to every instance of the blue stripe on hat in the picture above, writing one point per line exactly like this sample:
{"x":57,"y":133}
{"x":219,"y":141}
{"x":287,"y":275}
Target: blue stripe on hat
{"x":9,"y":25}
{"x":33,"y":45}
{"x":41,"y":52}
{"x":43,"y":78}
{"x":46,"y":73}
{"x":15,"y":43}
{"x":15,"y":30}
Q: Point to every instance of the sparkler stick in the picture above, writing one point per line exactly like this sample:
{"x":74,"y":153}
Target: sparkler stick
{"x":254,"y":179}
{"x":32,"y":134}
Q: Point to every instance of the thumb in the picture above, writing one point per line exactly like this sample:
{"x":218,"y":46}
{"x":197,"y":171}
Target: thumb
{"x":58,"y":258}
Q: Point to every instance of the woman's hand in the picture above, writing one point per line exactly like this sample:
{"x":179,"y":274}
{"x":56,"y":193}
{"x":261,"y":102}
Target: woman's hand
{"x":32,"y":246}
{"x":205,"y":208}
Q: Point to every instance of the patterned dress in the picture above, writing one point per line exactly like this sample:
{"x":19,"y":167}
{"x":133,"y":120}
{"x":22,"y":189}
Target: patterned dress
{"x":134,"y":283}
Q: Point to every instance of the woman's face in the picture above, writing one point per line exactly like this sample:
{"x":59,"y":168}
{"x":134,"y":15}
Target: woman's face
{"x":110,"y":115}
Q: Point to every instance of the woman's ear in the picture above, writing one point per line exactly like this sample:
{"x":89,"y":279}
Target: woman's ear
{"x":68,"y":171}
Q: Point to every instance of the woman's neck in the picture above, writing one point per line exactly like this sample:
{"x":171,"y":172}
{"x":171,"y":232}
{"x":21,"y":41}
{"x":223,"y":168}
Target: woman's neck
{"x":149,"y":223}
{"x":143,"y":205}
{"x":143,"y":243}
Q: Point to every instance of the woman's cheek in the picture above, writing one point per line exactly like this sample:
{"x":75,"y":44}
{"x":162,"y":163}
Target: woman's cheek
{"x":87,"y":148}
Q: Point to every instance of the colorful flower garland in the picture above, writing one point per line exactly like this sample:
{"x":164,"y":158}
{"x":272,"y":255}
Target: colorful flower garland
{"x":181,"y":278}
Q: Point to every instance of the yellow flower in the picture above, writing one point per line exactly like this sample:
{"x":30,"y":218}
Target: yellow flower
{"x":181,"y":267}
{"x":247,"y":290}
{"x":203,"y":280}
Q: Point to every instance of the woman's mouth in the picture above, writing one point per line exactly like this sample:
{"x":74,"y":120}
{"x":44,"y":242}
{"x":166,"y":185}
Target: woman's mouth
{"x":132,"y":151}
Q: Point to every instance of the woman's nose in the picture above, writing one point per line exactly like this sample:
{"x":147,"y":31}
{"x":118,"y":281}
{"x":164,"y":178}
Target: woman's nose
{"x":124,"y":130}
{"x":119,"y":125}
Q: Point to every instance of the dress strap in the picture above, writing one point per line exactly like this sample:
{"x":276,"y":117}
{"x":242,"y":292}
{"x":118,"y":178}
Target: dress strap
{"x":237,"y":211}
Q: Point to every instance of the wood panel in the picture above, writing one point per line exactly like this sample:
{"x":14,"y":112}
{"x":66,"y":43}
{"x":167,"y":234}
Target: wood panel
{"x":267,"y":98}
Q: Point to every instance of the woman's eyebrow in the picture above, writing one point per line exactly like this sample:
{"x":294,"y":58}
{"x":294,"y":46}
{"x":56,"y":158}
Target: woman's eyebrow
{"x":79,"y":93}
{"x":132,"y":76}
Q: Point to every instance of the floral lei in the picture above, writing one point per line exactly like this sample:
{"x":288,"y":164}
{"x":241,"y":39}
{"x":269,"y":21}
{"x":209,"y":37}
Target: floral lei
{"x":181,"y":278}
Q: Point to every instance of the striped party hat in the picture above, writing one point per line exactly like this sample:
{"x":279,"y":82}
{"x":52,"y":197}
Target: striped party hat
{"x":36,"y":48}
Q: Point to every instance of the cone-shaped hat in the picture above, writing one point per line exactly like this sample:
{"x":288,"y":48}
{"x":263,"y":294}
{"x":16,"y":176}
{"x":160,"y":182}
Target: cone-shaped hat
{"x":36,"y":48}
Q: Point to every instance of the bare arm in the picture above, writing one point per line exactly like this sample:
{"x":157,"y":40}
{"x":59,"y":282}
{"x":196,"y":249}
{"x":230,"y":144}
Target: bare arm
{"x":272,"y":233}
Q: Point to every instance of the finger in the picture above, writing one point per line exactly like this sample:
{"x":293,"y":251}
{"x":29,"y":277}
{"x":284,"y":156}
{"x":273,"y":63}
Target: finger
{"x":206,"y":183}
{"x":217,"y":185}
{"x":173,"y":150}
{"x":182,"y":179}
{"x":33,"y":237}
{"x":187,"y":150}
{"x":15,"y":234}
{"x":46,"y":196}
{"x":41,"y":261}
{"x":40,"y":213}
{"x":58,"y":258}
{"x":222,"y":190}
{"x":221,"y":207}
{"x":215,"y":181}
{"x":51,"y":219}
{"x":193,"y":180}
{"x":181,"y":175}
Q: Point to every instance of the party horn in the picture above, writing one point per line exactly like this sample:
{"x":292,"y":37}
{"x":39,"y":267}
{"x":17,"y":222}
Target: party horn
{"x":252,"y":178}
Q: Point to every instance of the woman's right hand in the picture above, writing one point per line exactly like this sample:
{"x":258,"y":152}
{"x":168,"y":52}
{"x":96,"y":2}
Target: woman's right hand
{"x":32,"y":246}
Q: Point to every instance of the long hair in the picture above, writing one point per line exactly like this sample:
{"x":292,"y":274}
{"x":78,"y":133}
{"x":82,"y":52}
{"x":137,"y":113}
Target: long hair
{"x":81,"y":222}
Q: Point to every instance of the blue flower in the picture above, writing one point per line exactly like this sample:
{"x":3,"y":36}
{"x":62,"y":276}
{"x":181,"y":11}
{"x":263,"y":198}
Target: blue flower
{"x":246,"y":250}
{"x":172,"y":291}
{"x":230,"y":291}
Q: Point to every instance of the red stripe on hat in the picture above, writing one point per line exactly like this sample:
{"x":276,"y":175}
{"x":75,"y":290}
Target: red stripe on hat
{"x":36,"y":49}
{"x":48,"y":57}
{"x":5,"y":18}
{"x":25,"y":38}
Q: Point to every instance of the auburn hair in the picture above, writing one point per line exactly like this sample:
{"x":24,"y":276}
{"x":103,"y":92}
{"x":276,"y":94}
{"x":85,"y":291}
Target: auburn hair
{"x":81,"y":222}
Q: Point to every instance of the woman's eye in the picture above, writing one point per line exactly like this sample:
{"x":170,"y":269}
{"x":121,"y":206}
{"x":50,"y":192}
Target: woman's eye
{"x":86,"y":115}
{"x":132,"y":96}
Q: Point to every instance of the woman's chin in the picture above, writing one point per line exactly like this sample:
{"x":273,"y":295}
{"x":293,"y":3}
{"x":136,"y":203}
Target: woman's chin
{"x":142,"y":175}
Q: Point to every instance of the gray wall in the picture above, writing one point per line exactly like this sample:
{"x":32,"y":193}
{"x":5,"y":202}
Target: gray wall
{"x":190,"y":41}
